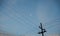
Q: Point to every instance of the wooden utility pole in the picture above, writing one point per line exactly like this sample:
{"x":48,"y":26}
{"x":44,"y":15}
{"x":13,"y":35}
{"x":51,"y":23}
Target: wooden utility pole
{"x":42,"y":30}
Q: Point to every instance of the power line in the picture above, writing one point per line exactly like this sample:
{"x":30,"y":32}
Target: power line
{"x":18,"y":13}
{"x":25,"y":21}
{"x":52,"y":21}
{"x":18,"y":21}
{"x":30,"y":21}
{"x":52,"y":26}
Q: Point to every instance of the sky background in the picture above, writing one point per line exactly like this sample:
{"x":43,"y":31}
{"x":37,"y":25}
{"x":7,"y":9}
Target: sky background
{"x":22,"y":17}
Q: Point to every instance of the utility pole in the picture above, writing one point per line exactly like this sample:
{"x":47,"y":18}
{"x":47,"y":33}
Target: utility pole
{"x":42,"y":30}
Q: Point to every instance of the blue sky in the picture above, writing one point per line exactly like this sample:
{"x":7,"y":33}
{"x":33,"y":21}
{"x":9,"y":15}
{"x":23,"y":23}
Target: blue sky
{"x":23,"y":16}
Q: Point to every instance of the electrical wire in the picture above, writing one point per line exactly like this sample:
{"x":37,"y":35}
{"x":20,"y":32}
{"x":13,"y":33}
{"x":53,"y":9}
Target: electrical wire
{"x":53,"y":26}
{"x":18,"y":21}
